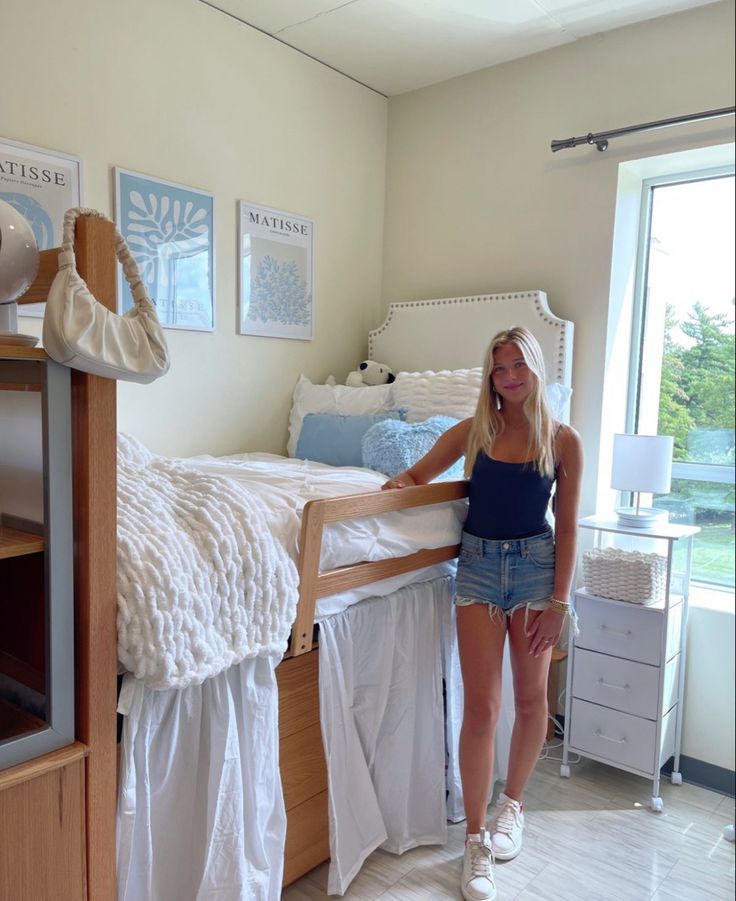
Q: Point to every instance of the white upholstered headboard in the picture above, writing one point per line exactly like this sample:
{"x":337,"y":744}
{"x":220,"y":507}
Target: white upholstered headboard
{"x":454,"y":332}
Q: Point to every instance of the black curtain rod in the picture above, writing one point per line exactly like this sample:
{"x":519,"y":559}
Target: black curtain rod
{"x":601,"y":139}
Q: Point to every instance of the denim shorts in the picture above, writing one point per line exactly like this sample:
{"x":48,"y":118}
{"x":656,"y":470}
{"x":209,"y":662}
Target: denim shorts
{"x":507,"y":574}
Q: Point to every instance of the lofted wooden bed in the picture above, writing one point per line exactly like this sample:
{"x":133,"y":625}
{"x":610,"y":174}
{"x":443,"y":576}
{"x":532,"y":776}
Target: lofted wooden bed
{"x":414,"y":336}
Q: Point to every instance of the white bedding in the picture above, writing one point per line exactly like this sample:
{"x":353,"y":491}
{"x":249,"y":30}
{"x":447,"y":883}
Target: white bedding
{"x":207,"y":553}
{"x":204,"y":580}
{"x":286,"y":484}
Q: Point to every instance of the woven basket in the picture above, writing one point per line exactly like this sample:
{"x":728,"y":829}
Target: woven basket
{"x":625,"y":575}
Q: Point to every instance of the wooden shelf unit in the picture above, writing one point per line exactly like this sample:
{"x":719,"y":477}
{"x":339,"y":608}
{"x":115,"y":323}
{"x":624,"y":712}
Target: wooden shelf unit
{"x":17,"y":352}
{"x":57,"y":810}
{"x":15,"y":543}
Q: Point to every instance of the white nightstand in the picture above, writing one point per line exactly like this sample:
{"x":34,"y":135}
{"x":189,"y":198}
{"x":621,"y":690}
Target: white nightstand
{"x":626,"y":668}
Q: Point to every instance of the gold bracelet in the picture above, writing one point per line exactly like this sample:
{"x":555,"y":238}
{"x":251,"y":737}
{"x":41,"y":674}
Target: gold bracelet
{"x":557,"y":604}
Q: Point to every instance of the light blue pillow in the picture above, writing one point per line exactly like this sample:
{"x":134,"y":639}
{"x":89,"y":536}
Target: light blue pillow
{"x":391,"y":447}
{"x":336,"y":439}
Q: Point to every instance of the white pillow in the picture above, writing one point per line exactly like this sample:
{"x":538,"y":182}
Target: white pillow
{"x":444,"y":393}
{"x":558,"y":398}
{"x":310,"y":398}
{"x":455,"y":393}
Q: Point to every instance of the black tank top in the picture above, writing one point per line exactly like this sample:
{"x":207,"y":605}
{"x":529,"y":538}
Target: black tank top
{"x":506,"y":500}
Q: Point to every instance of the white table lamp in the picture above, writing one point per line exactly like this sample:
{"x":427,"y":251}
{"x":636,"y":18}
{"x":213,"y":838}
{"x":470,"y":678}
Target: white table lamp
{"x":642,"y":463}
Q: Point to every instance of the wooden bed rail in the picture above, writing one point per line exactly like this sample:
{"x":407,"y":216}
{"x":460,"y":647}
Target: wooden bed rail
{"x":314,"y":584}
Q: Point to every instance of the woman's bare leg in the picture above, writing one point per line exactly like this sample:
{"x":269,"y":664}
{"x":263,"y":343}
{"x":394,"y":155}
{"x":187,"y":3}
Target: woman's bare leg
{"x":480,"y":641}
{"x":530,"y":705}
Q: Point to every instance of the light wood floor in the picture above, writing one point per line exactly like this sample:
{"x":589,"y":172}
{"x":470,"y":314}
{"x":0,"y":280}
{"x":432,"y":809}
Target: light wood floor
{"x":588,"y":838}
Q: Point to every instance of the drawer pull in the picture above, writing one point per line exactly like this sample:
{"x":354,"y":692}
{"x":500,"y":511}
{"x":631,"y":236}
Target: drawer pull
{"x":627,"y":634}
{"x":611,"y":685}
{"x":617,"y":741}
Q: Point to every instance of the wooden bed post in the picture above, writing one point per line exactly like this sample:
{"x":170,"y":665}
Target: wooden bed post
{"x":94,"y":431}
{"x":313,"y":521}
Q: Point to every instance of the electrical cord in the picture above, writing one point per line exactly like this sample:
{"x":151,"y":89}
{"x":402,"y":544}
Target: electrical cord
{"x":553,"y":745}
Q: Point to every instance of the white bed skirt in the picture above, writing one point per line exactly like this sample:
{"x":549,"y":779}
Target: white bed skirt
{"x":200,"y":810}
{"x":390,"y":742}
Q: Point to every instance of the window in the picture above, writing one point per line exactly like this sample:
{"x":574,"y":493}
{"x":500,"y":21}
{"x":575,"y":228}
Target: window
{"x":683,"y":360}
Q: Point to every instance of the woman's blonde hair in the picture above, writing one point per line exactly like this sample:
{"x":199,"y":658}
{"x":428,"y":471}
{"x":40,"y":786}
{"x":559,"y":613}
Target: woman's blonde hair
{"x":488,"y":423}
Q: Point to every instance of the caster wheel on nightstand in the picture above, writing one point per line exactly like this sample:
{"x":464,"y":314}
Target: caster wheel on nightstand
{"x":676,"y":778}
{"x":656,"y":804}
{"x":565,"y":771}
{"x":728,"y":833}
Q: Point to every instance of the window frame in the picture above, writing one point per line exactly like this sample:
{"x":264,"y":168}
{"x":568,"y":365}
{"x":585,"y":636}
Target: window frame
{"x":691,"y":471}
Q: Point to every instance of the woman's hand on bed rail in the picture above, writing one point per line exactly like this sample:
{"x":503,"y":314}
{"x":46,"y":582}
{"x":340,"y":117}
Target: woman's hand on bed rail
{"x":401,"y":480}
{"x":448,"y":448}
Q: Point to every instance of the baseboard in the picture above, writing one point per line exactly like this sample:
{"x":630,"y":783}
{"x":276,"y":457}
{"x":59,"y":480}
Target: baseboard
{"x":705,"y":775}
{"x":693,"y":771}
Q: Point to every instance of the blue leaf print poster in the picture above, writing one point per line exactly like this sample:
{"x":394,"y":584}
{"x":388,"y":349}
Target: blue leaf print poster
{"x":169,"y":230}
{"x":276,"y":252}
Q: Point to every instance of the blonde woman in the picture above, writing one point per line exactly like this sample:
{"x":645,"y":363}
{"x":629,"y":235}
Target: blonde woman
{"x":514,"y":578}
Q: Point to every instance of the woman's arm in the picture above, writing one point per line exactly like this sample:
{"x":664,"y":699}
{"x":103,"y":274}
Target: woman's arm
{"x":567,"y":505}
{"x":448,"y":448}
{"x":546,"y":629}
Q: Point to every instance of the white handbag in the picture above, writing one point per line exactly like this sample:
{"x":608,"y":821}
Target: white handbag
{"x":80,"y":332}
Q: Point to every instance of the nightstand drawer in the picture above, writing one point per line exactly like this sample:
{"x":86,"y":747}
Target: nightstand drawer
{"x":625,"y":630}
{"x":618,"y":737}
{"x":613,"y":682}
{"x":622,"y":684}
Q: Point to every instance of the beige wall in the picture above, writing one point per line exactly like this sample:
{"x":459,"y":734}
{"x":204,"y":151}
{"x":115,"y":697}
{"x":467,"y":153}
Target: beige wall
{"x":174,"y":89}
{"x":476,"y":202}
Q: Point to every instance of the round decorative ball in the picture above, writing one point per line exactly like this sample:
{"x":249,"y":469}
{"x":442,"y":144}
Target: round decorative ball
{"x":18,"y":254}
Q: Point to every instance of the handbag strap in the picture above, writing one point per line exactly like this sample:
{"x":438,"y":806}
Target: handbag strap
{"x":122,"y":252}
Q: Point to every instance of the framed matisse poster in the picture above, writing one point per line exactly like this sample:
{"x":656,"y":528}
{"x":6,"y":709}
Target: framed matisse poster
{"x":276,"y":273}
{"x":42,"y":185}
{"x":169,"y":229}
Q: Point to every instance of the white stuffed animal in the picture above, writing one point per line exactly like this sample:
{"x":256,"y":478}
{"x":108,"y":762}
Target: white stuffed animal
{"x":370,"y":373}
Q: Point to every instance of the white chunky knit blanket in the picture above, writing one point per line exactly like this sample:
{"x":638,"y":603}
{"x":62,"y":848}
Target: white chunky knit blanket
{"x":202,"y":583}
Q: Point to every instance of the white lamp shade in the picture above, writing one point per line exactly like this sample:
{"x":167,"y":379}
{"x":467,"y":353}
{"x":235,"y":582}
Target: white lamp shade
{"x":642,"y":463}
{"x":18,"y":254}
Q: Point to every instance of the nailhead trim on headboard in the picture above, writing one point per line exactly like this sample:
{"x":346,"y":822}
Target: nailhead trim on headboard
{"x":540,"y":304}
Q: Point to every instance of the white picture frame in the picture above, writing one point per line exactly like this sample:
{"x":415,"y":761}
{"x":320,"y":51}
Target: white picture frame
{"x":169,"y":228}
{"x":42,"y":185}
{"x":276,"y":273}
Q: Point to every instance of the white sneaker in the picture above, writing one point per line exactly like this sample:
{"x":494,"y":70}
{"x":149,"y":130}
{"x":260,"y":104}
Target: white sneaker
{"x":506,"y":828}
{"x":477,"y":879}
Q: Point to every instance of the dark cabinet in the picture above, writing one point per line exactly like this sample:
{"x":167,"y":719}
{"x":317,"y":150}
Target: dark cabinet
{"x":36,"y":557}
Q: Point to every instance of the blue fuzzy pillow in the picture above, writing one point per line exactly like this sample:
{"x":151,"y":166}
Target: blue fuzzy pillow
{"x":392,"y":446}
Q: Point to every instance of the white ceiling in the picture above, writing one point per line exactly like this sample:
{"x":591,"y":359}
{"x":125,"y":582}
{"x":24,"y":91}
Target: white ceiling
{"x":393,"y":46}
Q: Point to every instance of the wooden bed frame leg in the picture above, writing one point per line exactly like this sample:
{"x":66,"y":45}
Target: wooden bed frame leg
{"x":95,"y":572}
